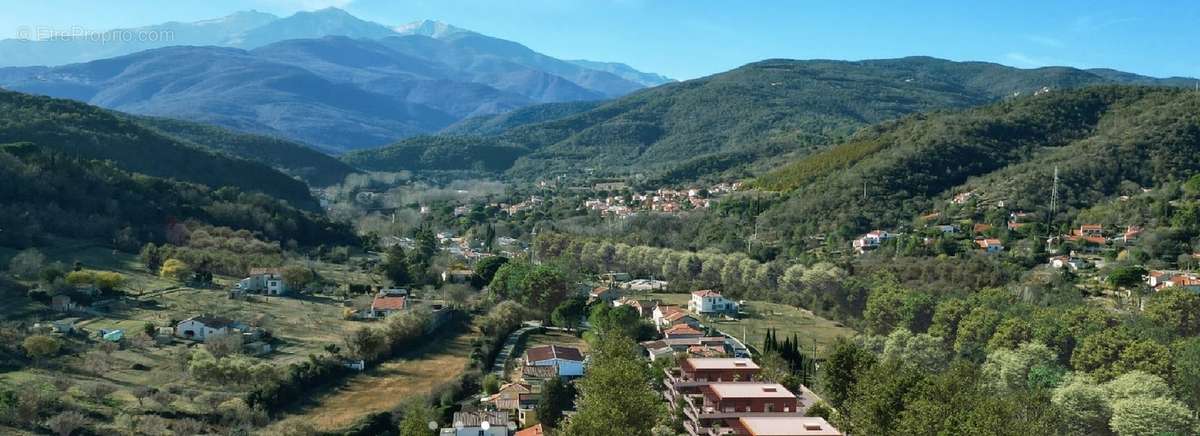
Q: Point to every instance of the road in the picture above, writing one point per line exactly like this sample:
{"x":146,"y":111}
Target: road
{"x":510,"y":343}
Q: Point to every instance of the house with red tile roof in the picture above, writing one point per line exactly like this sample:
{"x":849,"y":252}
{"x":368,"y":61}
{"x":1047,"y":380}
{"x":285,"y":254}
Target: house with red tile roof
{"x":680,"y":331}
{"x":531,"y":431}
{"x":384,"y":305}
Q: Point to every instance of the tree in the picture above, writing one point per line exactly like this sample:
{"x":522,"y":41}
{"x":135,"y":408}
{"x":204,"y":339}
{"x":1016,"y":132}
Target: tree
{"x":395,"y":266}
{"x":365,"y":343}
{"x":557,"y":397}
{"x":63,"y":424}
{"x":1011,"y":333}
{"x":27,"y":264}
{"x":1136,"y":384}
{"x":175,"y":269}
{"x":845,"y":364}
{"x":1010,"y":369}
{"x":974,"y":332}
{"x":1186,"y":378}
{"x":1150,"y":416}
{"x":297,"y":277}
{"x":41,"y":346}
{"x":569,"y":313}
{"x":491,"y":384}
{"x":1084,"y":405}
{"x":1127,"y":277}
{"x":417,"y":418}
{"x":486,"y":269}
{"x":151,"y":257}
{"x":1176,"y":309}
{"x":615,"y":397}
{"x":222,"y":345}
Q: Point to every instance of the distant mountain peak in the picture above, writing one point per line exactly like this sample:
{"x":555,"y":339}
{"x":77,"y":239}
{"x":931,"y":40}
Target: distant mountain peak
{"x":625,"y":72}
{"x":430,"y":28}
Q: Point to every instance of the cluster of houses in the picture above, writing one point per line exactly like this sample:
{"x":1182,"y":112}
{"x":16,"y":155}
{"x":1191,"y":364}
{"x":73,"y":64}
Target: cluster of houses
{"x":515,"y":403}
{"x":1093,"y":237}
{"x":681,"y":329}
{"x":720,"y":396}
{"x":1159,"y":279}
{"x":661,"y":200}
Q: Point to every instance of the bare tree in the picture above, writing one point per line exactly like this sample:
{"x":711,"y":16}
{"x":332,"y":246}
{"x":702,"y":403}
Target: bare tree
{"x":224,"y":345}
{"x":66,"y":423}
{"x":98,"y":391}
{"x":188,"y":427}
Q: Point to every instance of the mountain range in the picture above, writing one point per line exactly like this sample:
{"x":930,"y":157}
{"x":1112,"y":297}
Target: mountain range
{"x":325,"y":78}
{"x":759,"y":116}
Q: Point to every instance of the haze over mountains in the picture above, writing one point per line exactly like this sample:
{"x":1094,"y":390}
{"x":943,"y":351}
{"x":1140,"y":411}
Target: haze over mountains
{"x":325,"y":78}
{"x":753,"y":116}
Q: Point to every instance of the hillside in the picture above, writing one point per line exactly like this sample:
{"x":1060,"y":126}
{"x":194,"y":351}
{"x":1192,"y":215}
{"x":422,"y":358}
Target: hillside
{"x":1099,"y":138}
{"x":51,"y":192}
{"x":496,"y":124}
{"x":769,"y":108}
{"x":298,"y":160}
{"x":76,"y":129}
{"x":439,"y":153}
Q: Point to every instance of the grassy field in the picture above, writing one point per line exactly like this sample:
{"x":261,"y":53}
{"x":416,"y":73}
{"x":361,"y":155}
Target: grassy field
{"x":786,"y":320}
{"x":388,"y":385}
{"x":553,"y":337}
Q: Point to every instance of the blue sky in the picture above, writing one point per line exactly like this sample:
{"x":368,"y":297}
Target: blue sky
{"x":686,"y":39}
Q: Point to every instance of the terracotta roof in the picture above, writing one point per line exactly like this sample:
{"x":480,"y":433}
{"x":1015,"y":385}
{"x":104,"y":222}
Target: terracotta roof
{"x":547,"y":352}
{"x":531,"y":431}
{"x":707,"y":293}
{"x":982,"y":227}
{"x":682,"y":329}
{"x":388,"y":303}
{"x":675,"y":316}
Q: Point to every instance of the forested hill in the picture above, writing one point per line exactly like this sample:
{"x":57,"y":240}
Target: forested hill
{"x":77,"y":129}
{"x":1100,"y":139}
{"x":299,"y":160}
{"x":47,"y":192}
{"x":765,"y":109}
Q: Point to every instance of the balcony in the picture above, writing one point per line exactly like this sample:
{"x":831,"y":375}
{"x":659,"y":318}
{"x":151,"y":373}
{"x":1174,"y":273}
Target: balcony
{"x":707,"y":413}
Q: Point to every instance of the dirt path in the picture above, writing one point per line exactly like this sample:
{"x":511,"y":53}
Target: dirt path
{"x":388,"y":385}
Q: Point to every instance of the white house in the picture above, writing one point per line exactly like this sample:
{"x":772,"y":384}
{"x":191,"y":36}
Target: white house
{"x":202,"y":327}
{"x":707,"y":301}
{"x":871,"y":240}
{"x":568,"y":360}
{"x":266,"y":280}
{"x":481,"y":423}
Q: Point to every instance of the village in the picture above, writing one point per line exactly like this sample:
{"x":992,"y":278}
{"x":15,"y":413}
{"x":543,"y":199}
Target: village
{"x":663,"y":200}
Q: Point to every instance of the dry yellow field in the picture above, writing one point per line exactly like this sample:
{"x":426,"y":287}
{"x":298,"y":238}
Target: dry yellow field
{"x":387,"y":386}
